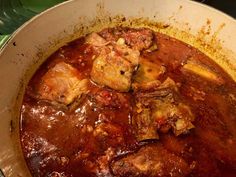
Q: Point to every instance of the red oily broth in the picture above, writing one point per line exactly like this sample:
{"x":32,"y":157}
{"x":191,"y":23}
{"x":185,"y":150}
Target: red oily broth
{"x":94,"y":134}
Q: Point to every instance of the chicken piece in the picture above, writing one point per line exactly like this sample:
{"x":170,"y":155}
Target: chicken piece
{"x":202,"y":71}
{"x":159,"y":103}
{"x":139,"y":39}
{"x":150,"y":86}
{"x":129,"y":54}
{"x":148,"y":71}
{"x":112,"y":34}
{"x":146,"y":92}
{"x":168,"y":115}
{"x":113,"y":71}
{"x":114,"y":65}
{"x":151,"y":161}
{"x":144,"y":126}
{"x":62,"y":84}
{"x":96,"y":40}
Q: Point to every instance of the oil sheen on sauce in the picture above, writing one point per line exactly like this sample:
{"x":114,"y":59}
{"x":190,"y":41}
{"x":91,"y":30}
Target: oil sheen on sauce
{"x":86,"y":138}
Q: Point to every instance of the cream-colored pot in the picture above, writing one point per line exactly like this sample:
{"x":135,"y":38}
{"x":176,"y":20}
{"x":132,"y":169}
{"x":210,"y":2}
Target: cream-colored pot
{"x":205,"y":28}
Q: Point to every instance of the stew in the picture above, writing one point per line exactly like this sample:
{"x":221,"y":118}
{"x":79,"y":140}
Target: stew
{"x":129,"y":102}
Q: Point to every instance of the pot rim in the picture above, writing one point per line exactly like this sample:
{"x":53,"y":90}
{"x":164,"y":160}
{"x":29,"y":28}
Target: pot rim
{"x":24,"y":25}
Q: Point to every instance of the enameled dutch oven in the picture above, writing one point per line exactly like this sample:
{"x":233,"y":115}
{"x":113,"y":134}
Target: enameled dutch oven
{"x":205,"y":28}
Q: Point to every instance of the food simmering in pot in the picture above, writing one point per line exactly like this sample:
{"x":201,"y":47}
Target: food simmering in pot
{"x":129,"y":102}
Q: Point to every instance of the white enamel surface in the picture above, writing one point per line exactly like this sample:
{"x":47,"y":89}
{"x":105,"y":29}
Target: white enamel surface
{"x":59,"y":22}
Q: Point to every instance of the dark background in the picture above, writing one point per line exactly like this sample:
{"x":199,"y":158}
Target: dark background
{"x":227,"y":6}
